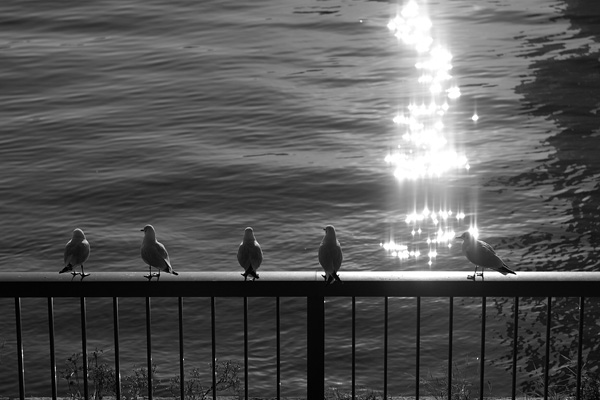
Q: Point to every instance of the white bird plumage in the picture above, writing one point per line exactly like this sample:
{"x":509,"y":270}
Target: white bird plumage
{"x":155,"y":254}
{"x":330,"y":255}
{"x":482,"y":255}
{"x":77,"y":251}
{"x":249,"y":254}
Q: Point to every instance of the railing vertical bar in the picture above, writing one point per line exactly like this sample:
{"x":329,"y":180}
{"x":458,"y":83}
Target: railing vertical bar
{"x":213,"y":347}
{"x":450,"y":336}
{"x":20,"y":348}
{"x":315,"y":347}
{"x":515,"y":348}
{"x":580,"y":346}
{"x":278,"y":329}
{"x":52,"y":347}
{"x":84,"y":348}
{"x":117,"y":350}
{"x":418,"y":355}
{"x":547,"y":360}
{"x":482,"y":353}
{"x":181,"y":349}
{"x":353,"y":347}
{"x":149,"y":346}
{"x":246,"y":348}
{"x":385,"y":348}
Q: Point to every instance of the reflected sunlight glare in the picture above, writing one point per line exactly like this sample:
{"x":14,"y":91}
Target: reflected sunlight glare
{"x":425,"y":153}
{"x":425,"y":150}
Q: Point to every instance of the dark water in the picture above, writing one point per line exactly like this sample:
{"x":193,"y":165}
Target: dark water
{"x":203,"y":118}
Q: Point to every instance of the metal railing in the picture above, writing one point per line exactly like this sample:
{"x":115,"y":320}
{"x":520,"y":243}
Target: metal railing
{"x":298,"y":284}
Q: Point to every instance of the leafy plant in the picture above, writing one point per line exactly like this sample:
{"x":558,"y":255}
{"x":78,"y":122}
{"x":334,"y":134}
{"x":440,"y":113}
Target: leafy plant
{"x":226,"y":373}
{"x":437,"y":387}
{"x":136,"y":385}
{"x":363,"y":394}
{"x":100,"y":375}
{"x":590,"y":388}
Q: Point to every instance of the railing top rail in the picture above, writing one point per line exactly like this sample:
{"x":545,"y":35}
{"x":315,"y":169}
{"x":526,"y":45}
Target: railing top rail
{"x":301,"y":284}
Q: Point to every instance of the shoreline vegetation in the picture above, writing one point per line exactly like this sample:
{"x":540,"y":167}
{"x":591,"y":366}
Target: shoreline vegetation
{"x":134,"y":386}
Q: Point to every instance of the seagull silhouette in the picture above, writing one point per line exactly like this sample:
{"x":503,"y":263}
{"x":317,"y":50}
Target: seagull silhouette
{"x":155,"y":254}
{"x":482,"y":255}
{"x":249,"y":254}
{"x":77,"y":251}
{"x":330,"y":255}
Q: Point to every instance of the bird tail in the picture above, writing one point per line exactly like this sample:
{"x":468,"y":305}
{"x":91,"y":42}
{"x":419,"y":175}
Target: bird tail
{"x":331,"y":278}
{"x":250,"y":271}
{"x":506,"y":270}
{"x":336,"y":277}
{"x":66,"y":269}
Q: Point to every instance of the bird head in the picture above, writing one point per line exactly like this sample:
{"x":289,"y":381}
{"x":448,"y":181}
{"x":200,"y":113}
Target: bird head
{"x":149,"y":231}
{"x":248,"y":234}
{"x":465,"y":236}
{"x":329,"y":231}
{"x":78,"y":234}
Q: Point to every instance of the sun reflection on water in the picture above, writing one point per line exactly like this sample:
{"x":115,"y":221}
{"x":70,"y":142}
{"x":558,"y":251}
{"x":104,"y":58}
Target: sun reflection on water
{"x":426,"y":152}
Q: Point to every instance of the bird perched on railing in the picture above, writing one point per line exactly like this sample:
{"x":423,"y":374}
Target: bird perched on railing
{"x":330,"y":255}
{"x":155,"y":254}
{"x":249,"y":254}
{"x":77,"y":251}
{"x":482,"y":255}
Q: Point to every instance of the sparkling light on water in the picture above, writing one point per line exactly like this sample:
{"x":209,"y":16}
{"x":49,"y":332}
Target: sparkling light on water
{"x":425,"y":150}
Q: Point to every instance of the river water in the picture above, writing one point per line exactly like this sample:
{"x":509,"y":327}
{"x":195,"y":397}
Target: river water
{"x":402,"y":124}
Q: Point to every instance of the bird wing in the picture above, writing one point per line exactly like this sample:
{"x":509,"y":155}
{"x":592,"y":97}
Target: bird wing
{"x":256,"y":255}
{"x":243,"y":256}
{"x":155,"y":255}
{"x":324,"y":258}
{"x":68,"y":252}
{"x":337,"y":257}
{"x":76,"y":253}
{"x":483,"y":254}
{"x":330,"y":257}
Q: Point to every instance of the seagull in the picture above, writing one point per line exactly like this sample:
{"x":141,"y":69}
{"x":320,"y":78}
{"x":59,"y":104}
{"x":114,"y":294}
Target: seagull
{"x":482,"y":255}
{"x":250,"y":254}
{"x":77,"y":251}
{"x":154,"y":254}
{"x":330,"y":255}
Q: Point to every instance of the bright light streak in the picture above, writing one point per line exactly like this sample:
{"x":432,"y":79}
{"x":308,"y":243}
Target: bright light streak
{"x":426,"y":147}
{"x":453,"y":93}
{"x":474,"y":231}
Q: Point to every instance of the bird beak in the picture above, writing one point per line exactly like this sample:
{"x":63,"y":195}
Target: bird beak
{"x":141,"y":230}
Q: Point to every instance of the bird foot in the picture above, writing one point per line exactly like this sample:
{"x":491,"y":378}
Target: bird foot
{"x":75,"y":273}
{"x":83,"y":274}
{"x":471,"y":277}
{"x":152,"y":275}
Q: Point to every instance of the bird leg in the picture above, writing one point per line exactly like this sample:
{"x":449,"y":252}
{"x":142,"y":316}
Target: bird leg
{"x":151,"y":274}
{"x":245,"y":275}
{"x":472,"y":277}
{"x":83,"y":274}
{"x":481,"y":274}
